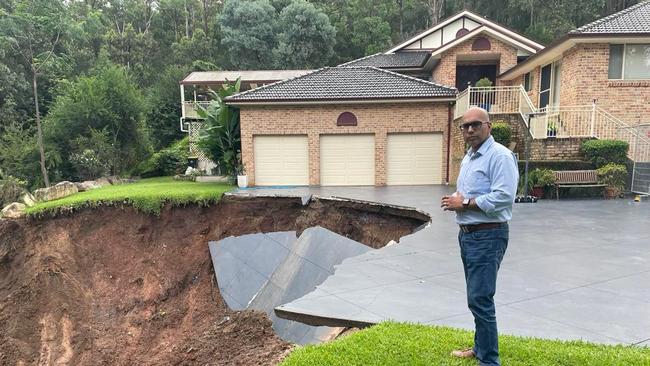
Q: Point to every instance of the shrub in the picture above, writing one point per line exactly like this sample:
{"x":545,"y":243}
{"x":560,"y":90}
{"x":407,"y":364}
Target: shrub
{"x":601,"y":152}
{"x":555,"y":165}
{"x":11,"y":189}
{"x":613,"y":175}
{"x":92,"y":155}
{"x":537,"y":178}
{"x":483,"y":83}
{"x":502,"y":133}
{"x":168,"y":161}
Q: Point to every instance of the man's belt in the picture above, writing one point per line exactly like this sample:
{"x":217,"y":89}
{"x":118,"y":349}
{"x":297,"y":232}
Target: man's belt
{"x":486,"y":226}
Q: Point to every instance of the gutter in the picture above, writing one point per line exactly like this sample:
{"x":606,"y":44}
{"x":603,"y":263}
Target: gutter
{"x":338,"y":101}
{"x":449,"y":123}
{"x":604,"y":37}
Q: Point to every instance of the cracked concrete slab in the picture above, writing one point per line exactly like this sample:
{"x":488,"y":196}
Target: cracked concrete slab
{"x":574,"y":269}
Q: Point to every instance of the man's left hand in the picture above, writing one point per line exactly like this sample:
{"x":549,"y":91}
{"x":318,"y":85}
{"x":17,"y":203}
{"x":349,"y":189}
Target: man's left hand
{"x":453,"y":202}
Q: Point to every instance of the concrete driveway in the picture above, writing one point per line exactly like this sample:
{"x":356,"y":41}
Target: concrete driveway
{"x":573,"y":270}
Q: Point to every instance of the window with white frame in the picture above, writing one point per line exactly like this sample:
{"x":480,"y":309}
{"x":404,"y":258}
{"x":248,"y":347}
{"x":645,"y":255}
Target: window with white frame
{"x":629,"y":61}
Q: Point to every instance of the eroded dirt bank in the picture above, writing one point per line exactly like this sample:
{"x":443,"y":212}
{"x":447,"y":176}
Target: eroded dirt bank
{"x":115,"y":286}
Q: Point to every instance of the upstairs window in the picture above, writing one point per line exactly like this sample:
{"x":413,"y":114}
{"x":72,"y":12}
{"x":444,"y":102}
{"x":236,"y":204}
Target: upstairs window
{"x":629,"y":61}
{"x":528,"y":81}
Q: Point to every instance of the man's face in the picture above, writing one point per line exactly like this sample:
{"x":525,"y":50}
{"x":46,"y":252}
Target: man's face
{"x":475,"y":127}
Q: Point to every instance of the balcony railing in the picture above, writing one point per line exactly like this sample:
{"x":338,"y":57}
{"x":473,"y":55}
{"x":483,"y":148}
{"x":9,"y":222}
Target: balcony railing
{"x":553,"y":121}
{"x":495,"y":100}
{"x":189,"y":109}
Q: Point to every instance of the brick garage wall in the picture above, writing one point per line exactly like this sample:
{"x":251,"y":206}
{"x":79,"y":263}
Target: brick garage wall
{"x":445,"y":72}
{"x":585,"y":77}
{"x":557,"y":149}
{"x":315,"y":120}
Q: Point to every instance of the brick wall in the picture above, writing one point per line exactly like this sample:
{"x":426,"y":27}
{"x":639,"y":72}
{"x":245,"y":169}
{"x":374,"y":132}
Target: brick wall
{"x":314,"y":120}
{"x":533,"y":93}
{"x":556,"y":149}
{"x":445,"y":72}
{"x":585,"y":74}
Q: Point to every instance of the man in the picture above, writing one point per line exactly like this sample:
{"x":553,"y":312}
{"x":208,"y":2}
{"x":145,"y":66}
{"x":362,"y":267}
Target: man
{"x":486,"y":189}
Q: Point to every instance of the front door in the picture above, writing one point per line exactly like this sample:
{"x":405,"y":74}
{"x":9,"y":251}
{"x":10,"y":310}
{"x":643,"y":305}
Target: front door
{"x":468,"y":75}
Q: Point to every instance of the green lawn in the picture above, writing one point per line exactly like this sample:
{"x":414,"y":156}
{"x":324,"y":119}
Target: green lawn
{"x":408,"y":344}
{"x":147,"y":195}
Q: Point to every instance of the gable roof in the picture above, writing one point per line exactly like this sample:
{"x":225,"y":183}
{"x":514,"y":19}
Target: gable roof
{"x":392,"y":60}
{"x":344,"y":84}
{"x":475,"y":17}
{"x":632,"y":23}
{"x":635,"y":19}
{"x":477,"y":31}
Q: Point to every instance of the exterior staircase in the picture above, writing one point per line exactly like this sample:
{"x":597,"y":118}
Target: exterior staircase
{"x":556,"y":122}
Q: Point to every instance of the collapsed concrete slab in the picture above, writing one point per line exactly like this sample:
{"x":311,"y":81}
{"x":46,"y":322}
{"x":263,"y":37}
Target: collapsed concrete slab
{"x":263,"y":271}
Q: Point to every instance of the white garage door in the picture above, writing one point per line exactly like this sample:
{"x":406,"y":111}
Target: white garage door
{"x":347,"y":160}
{"x":414,"y":158}
{"x":281,"y":160}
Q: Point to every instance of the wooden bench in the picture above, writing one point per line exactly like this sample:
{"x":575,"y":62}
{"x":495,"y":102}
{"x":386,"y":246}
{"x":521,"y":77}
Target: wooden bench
{"x":575,"y":178}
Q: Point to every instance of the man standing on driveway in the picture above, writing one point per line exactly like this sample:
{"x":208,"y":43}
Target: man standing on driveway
{"x":486,"y":190}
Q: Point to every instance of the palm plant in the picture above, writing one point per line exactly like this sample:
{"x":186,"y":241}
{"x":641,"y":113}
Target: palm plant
{"x":220,"y":137}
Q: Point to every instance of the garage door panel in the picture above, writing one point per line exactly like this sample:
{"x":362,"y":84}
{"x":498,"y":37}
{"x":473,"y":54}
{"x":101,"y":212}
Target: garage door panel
{"x":414,"y":158}
{"x":347,"y":160}
{"x":281,"y":160}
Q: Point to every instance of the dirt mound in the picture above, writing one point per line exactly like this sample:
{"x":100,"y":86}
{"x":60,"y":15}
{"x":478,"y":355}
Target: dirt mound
{"x":115,"y":286}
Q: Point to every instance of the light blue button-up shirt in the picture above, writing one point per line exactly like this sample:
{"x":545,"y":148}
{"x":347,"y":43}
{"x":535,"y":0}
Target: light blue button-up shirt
{"x":490,"y":176}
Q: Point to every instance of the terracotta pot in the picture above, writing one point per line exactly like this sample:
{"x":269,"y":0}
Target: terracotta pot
{"x":538,"y":191}
{"x":612,"y":192}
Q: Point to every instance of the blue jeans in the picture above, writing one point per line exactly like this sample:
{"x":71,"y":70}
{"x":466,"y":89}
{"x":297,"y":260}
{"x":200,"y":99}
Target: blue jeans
{"x":482,"y":252}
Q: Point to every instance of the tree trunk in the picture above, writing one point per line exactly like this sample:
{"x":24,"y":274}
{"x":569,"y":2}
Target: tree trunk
{"x":187,"y":21}
{"x":41,"y":150}
{"x":205,"y":17}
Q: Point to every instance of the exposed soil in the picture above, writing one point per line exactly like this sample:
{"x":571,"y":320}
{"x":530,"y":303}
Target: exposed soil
{"x":115,"y":286}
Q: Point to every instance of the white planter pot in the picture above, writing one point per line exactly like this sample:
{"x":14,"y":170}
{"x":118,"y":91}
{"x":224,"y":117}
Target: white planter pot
{"x":242,"y":181}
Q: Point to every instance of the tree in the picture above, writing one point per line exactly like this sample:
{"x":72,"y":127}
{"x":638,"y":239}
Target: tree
{"x":19,"y":152}
{"x":372,"y":35}
{"x":221,"y":138}
{"x":164,"y":107}
{"x":34,"y":29}
{"x":109,"y":102}
{"x":307,"y":37}
{"x":248,"y":29}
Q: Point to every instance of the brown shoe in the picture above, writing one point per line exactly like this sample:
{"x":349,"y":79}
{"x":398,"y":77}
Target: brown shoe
{"x":465,"y":353}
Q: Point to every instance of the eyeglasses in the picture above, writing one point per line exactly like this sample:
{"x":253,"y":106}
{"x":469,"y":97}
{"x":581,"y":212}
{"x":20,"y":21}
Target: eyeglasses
{"x":474,"y":125}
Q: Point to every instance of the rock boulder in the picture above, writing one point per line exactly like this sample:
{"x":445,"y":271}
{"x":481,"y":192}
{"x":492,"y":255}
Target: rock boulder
{"x":28,"y":199}
{"x":14,"y":210}
{"x":87,"y":185}
{"x":62,"y":189}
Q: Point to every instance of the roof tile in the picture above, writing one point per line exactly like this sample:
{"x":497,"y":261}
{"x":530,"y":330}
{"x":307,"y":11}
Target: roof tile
{"x":346,"y":83}
{"x":635,"y":19}
{"x":392,"y":60}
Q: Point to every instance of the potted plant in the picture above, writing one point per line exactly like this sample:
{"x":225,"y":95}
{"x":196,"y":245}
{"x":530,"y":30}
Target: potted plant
{"x":540,"y":180}
{"x":242,"y":178}
{"x":551,"y":129}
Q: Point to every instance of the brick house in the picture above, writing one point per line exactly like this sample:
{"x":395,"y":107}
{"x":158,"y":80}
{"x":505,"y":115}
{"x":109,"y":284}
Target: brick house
{"x":385,"y":119}
{"x":389,"y":118}
{"x":606,"y":61}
